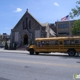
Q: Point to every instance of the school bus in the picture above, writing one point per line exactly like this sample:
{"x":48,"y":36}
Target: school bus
{"x":70,"y":45}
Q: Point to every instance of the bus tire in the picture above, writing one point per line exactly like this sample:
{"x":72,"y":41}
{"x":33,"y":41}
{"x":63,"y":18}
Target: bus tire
{"x":71,"y":52}
{"x":31,"y":51}
{"x":37,"y":53}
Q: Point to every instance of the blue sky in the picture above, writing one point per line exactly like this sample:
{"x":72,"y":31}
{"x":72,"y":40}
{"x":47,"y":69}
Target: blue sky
{"x":43,"y":10}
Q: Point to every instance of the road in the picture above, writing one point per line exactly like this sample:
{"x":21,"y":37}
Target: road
{"x":17,"y":66}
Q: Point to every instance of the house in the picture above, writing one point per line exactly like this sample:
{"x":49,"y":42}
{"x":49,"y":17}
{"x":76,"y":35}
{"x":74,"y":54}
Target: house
{"x":5,"y":37}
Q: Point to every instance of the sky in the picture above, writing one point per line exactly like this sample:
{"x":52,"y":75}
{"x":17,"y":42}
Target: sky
{"x":44,"y":11}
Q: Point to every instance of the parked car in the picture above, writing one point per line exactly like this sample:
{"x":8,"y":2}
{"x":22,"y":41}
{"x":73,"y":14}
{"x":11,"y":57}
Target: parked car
{"x":1,"y":46}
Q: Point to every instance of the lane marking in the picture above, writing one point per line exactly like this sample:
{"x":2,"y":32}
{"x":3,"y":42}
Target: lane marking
{"x":41,"y":63}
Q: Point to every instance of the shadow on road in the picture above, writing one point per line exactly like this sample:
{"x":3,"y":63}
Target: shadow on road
{"x":77,"y":62}
{"x":3,"y":78}
{"x":66,"y":56}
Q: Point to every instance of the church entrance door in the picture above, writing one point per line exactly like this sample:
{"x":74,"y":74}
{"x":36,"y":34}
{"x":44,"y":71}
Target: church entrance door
{"x":25,"y":39}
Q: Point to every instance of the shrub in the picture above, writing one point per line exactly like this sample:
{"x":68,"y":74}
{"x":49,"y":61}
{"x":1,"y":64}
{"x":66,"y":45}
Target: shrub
{"x":6,"y":45}
{"x":10,"y":46}
{"x":15,"y":46}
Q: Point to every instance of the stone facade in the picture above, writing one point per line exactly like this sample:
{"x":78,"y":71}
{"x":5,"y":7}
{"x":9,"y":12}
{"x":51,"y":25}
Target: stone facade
{"x":28,"y":28}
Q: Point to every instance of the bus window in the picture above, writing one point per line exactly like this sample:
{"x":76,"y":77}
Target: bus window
{"x":43,"y":42}
{"x":71,"y":41}
{"x":60,"y":43}
{"x":66,"y":42}
{"x":77,"y":42}
{"x":51,"y":42}
{"x":38,"y":43}
{"x":56,"y":42}
{"x":47,"y":43}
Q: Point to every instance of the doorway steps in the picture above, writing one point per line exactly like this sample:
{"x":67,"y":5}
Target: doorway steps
{"x":21,"y":47}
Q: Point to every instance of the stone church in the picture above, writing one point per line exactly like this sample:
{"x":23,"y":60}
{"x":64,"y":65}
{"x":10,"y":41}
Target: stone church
{"x":28,"y":28}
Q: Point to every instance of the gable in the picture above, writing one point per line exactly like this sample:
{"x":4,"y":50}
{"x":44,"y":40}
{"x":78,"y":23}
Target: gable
{"x":27,"y":14}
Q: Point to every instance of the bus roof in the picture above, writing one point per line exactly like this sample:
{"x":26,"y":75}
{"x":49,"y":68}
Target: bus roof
{"x":57,"y":38}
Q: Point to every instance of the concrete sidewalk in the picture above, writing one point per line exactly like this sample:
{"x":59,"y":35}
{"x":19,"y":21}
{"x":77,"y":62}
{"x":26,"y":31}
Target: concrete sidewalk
{"x":26,"y":52}
{"x":14,"y":51}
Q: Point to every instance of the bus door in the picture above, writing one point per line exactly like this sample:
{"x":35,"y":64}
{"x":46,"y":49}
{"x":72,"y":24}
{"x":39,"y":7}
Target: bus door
{"x":61,"y":45}
{"x":38,"y":45}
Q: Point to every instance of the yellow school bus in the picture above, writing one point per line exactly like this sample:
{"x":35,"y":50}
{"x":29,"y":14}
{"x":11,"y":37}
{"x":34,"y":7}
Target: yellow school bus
{"x":70,"y":45}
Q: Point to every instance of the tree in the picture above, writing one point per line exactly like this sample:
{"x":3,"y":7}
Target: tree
{"x":76,"y":27}
{"x":6,"y":45}
{"x":15,"y":46}
{"x":0,"y":41}
{"x":75,"y":11}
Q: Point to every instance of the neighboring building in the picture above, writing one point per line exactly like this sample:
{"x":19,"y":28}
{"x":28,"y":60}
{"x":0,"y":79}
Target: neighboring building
{"x":28,"y":28}
{"x":63,"y":28}
{"x":0,"y":37}
{"x":5,"y":37}
{"x":53,"y":28}
{"x":47,"y":30}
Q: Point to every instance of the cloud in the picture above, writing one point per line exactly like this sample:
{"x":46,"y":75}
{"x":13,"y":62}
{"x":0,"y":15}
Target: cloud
{"x":56,"y":4}
{"x":11,"y":5}
{"x":18,"y":10}
{"x":7,"y":28}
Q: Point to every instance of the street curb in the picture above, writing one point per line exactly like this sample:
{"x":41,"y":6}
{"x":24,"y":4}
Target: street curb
{"x":13,"y":51}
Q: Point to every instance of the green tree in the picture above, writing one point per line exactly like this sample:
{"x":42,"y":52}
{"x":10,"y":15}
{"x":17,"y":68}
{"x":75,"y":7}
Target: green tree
{"x":75,"y":11}
{"x":76,"y":27}
{"x":15,"y":46}
{"x":6,"y":45}
{"x":0,"y":42}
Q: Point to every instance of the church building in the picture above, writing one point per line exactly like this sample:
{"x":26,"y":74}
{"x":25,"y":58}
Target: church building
{"x":28,"y":28}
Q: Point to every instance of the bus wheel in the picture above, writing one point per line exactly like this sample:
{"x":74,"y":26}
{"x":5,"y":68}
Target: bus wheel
{"x":37,"y":53}
{"x":71,"y":52}
{"x":31,"y":51}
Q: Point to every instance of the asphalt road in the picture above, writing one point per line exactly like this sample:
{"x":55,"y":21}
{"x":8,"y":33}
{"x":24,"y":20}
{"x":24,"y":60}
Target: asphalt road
{"x":15,"y":66}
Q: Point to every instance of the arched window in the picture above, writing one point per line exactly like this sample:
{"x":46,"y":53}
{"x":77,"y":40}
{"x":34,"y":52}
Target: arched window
{"x":29,"y":24}
{"x":23,"y":25}
{"x":26,"y":22}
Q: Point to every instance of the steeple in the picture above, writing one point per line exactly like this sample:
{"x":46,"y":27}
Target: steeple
{"x":27,"y":10}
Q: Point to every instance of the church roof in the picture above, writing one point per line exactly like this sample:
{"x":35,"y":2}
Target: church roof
{"x":30,"y":15}
{"x":34,"y":18}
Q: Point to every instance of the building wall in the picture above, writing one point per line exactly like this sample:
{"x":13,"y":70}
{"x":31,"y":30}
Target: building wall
{"x":35,"y":26}
{"x":64,"y":28}
{"x":53,"y":27}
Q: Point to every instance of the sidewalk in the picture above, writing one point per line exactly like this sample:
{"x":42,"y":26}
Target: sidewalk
{"x":13,"y":51}
{"x":25,"y":51}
